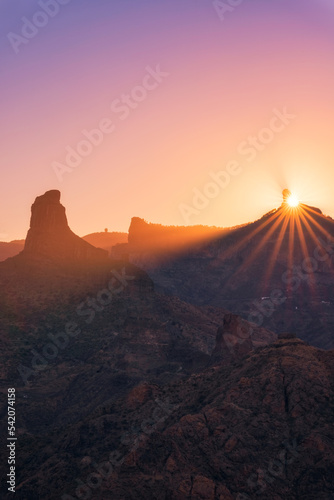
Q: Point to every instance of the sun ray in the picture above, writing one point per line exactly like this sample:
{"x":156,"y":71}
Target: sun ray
{"x":291,"y":222}
{"x":317,"y":240}
{"x":309,"y":229}
{"x":302,"y":239}
{"x":314,"y":222}
{"x":292,"y":225}
{"x":290,"y":261}
{"x":231,"y":251}
{"x":307,"y":266}
{"x":260,"y":245}
{"x":276,"y":250}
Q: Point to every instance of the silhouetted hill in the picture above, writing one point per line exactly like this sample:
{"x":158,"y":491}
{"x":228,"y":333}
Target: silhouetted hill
{"x":144,"y":236}
{"x":106,"y":240}
{"x":276,"y":271}
{"x":11,"y":248}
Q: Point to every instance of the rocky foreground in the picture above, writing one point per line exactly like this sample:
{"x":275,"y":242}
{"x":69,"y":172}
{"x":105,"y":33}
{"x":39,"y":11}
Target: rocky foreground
{"x":261,"y":427}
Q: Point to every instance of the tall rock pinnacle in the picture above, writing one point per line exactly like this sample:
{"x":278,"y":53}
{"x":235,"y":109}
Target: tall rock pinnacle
{"x":50,"y":237}
{"x":286,"y":193}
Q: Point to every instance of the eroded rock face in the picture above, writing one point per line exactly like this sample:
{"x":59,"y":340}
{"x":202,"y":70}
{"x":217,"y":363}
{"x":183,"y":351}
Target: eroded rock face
{"x":237,"y":337}
{"x":47,"y":213}
{"x":232,"y":338}
{"x":259,"y":429}
{"x":50,"y":237}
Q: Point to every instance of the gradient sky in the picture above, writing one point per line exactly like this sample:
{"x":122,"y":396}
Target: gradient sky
{"x":225,"y":78}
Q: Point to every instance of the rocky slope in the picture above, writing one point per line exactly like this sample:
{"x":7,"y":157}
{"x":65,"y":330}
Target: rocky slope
{"x":262,"y":429}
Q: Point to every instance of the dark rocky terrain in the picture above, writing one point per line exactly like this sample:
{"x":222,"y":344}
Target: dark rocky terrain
{"x":126,"y":393}
{"x":79,"y":329}
{"x":258,"y":427}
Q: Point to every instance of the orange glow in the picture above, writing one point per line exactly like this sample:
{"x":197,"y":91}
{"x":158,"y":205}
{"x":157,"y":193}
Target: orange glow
{"x":290,"y":226}
{"x":293,"y":201}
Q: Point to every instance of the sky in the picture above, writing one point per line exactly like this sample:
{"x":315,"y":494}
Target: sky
{"x":180,"y":112}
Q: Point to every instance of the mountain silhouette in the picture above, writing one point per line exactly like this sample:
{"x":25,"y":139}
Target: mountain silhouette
{"x":176,"y":399}
{"x":276,"y":272}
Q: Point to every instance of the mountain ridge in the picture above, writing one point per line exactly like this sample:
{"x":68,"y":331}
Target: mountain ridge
{"x":277,"y":271}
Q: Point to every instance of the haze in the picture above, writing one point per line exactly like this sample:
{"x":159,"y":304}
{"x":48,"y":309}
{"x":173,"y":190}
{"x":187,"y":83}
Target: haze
{"x":221,"y":81}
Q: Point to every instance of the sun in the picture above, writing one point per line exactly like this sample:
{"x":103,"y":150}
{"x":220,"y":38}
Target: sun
{"x":292,"y":201}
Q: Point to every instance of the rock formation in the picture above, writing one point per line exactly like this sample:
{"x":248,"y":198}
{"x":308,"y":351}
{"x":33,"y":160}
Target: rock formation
{"x":50,"y":237}
{"x":238,"y":337}
{"x":286,"y":193}
{"x":232,"y":339}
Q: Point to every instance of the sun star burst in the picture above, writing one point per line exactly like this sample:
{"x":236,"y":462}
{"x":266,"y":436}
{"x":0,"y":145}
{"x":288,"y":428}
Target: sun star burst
{"x":293,"y":201}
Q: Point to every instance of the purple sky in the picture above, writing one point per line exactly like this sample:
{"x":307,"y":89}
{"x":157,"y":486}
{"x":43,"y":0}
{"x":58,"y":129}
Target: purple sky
{"x":222,"y":80}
